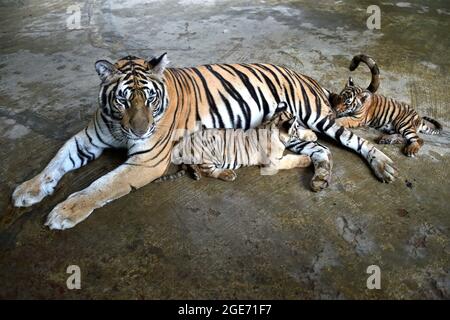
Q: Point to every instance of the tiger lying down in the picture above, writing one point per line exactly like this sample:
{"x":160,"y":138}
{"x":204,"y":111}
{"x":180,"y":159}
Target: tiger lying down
{"x":217,"y":153}
{"x":356,"y":107}
{"x":145,"y":107}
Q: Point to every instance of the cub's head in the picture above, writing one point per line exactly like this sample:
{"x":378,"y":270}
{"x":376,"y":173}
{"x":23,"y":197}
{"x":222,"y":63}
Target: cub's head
{"x":286,"y":124}
{"x":132,"y":95}
{"x":351,"y":99}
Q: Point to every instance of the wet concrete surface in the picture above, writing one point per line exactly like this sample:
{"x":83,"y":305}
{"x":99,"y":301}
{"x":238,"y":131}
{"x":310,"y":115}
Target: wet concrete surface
{"x":260,"y":236}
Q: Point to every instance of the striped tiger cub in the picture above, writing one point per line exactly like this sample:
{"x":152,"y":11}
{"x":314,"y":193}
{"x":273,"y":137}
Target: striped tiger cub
{"x":217,"y":153}
{"x":356,"y":107}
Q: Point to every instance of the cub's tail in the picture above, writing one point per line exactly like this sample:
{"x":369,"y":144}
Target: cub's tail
{"x":173,"y":176}
{"x":375,"y":82}
{"x":425,"y":128}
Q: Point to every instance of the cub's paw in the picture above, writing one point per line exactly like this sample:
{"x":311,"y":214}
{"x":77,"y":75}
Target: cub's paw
{"x":69,"y":213}
{"x":413,"y":148}
{"x":307,"y":135}
{"x":391,"y":139}
{"x":303,"y":161}
{"x":195,"y":171}
{"x":32,"y":191}
{"x":383,"y":167}
{"x":227,"y":175}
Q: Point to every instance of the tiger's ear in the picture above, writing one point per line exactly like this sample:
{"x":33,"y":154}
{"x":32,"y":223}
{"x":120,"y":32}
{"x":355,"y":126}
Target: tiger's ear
{"x":106,"y":70}
{"x":363,"y":96}
{"x":350,"y":82}
{"x":294,"y":129}
{"x":158,"y":64}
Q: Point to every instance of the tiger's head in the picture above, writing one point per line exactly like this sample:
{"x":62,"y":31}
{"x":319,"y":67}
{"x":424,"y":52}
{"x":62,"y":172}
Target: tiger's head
{"x":132,"y":95}
{"x":351,"y":100}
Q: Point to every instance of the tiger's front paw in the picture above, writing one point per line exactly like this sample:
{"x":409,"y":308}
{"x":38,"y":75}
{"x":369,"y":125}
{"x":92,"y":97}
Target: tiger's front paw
{"x":32,"y":191}
{"x":413,"y":148}
{"x":383,"y":167}
{"x":69,"y":213}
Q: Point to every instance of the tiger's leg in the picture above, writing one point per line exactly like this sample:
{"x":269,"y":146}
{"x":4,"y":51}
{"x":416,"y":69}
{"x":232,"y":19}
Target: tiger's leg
{"x":290,"y":161}
{"x":321,"y":159}
{"x":381,"y":165}
{"x":413,"y":142}
{"x":85,"y":146}
{"x":395,"y":138}
{"x":210,"y":170}
{"x":136,"y":172}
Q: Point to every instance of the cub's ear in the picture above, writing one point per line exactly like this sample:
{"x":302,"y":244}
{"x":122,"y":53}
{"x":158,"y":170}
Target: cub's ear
{"x":294,"y":129}
{"x":158,"y":64}
{"x":106,"y":70}
{"x":350,"y":82}
{"x":363,"y":96}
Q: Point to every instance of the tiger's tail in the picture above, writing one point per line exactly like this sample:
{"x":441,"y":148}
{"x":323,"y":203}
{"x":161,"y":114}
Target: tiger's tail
{"x":171,"y":177}
{"x":375,"y":82}
{"x":425,"y":128}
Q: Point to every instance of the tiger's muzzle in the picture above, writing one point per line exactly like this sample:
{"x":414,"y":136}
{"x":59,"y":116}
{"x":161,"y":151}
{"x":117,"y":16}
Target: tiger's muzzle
{"x":139,"y":120}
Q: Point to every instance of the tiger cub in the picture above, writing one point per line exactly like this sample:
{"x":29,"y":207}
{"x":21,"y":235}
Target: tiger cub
{"x":356,"y":107}
{"x":217,"y":153}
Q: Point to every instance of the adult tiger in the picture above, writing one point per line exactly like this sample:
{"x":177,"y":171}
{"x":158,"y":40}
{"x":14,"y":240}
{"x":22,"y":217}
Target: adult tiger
{"x":143,"y":105}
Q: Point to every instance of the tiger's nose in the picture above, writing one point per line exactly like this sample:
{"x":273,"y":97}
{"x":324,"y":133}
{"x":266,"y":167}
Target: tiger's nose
{"x":140,"y":122}
{"x":139,"y":132}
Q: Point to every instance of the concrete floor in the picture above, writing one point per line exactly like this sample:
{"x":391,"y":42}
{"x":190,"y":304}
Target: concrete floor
{"x":260,"y":236}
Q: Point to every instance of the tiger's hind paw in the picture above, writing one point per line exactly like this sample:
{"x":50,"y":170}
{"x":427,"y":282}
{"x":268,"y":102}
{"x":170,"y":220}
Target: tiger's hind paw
{"x":391,"y":139}
{"x":227,"y":175}
{"x":413,"y":148}
{"x":321,"y":179}
{"x":319,"y":183}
